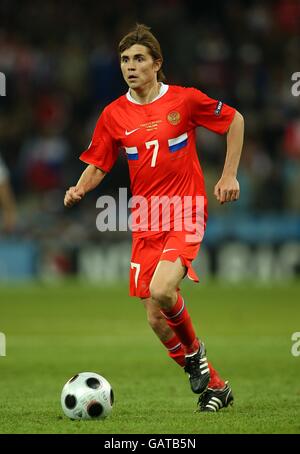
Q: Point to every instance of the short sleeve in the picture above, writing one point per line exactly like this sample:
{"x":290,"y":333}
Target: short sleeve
{"x":209,"y":113}
{"x":103,"y":150}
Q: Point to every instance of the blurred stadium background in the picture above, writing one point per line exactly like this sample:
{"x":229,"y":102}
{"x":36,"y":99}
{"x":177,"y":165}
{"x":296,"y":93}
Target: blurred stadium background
{"x":61,"y":68}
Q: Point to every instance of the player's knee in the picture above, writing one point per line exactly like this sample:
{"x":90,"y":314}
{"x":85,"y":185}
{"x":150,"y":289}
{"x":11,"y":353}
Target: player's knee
{"x":163,"y":294}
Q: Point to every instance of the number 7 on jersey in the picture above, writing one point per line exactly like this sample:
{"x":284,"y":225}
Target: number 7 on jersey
{"x":153,"y":143}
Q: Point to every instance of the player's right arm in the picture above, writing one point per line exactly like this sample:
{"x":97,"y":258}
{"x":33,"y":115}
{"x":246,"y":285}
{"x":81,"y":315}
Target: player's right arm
{"x":100,"y":156}
{"x":89,"y":180}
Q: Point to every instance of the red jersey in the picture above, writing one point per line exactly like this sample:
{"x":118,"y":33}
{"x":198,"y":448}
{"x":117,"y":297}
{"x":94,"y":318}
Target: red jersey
{"x":159,"y":141}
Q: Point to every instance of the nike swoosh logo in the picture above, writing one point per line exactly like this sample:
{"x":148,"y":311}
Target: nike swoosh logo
{"x":127,"y":133}
{"x":166,"y":250}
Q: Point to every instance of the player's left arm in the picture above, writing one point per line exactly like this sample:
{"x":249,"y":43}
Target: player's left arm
{"x":227,"y":188}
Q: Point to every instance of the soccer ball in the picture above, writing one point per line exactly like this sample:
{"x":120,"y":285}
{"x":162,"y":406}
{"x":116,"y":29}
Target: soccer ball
{"x":87,"y":395}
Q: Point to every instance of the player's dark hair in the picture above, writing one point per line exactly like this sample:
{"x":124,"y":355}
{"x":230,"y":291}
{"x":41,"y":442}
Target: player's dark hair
{"x":141,"y":35}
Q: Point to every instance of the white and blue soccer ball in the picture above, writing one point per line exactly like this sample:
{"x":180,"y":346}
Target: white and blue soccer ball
{"x":87,"y":395}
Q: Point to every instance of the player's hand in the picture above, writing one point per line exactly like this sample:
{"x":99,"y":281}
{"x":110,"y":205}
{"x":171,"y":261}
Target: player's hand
{"x":227,"y":189}
{"x":73,"y":195}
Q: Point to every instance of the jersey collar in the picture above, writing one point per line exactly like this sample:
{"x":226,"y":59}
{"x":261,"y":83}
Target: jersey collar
{"x":163,"y":90}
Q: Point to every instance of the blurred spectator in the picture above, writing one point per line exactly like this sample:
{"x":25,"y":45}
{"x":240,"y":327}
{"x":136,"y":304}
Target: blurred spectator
{"x":7,"y":201}
{"x":42,"y":160}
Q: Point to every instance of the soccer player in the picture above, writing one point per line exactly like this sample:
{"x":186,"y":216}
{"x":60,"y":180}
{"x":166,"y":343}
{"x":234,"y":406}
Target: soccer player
{"x":154,"y":124}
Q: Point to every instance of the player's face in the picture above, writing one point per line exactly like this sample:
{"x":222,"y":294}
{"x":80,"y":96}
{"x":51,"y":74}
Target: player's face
{"x":138,"y":67}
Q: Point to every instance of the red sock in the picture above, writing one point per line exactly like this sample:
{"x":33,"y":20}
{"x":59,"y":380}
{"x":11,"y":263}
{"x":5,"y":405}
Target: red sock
{"x":180,"y":322}
{"x":215,"y":380}
{"x":175,"y":350}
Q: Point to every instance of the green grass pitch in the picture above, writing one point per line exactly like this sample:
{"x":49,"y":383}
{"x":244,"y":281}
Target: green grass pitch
{"x":53,"y":332}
